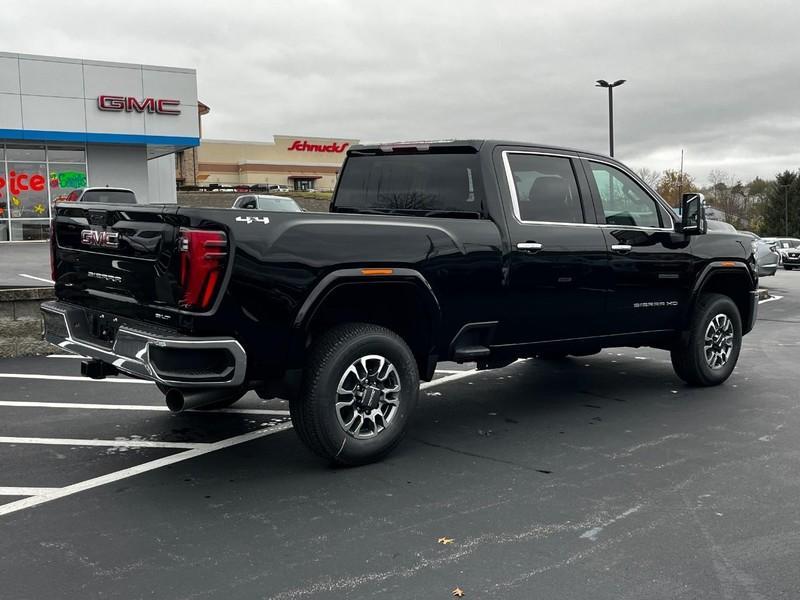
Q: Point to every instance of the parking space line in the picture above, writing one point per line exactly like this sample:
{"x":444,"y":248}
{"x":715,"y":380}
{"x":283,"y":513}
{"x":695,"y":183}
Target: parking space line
{"x":70,"y":378}
{"x":82,"y":405}
{"x":770,"y":299}
{"x":192,"y":451}
{"x":66,"y":356}
{"x":446,"y":379}
{"x":50,"y":281}
{"x":103,"y":443}
{"x":18,"y":505}
{"x":27,"y":491}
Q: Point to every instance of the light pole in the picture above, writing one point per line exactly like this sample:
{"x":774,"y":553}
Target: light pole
{"x":604,"y":84}
{"x":785,"y":187}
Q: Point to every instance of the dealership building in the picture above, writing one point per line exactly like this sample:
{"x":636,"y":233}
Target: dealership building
{"x":299,"y":162}
{"x":69,"y":123}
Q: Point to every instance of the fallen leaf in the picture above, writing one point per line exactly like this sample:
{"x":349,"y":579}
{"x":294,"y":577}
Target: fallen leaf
{"x":458,"y":593}
{"x":445,"y":540}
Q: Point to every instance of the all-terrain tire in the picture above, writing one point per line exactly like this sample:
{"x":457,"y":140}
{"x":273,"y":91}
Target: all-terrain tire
{"x":689,"y":354}
{"x":314,"y":412}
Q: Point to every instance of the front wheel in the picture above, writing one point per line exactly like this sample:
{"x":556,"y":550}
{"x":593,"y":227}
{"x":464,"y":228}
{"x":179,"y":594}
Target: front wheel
{"x":787,"y":267}
{"x":707,"y":352}
{"x":360,"y":387}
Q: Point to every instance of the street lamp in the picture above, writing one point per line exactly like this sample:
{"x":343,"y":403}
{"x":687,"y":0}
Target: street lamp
{"x":604,"y":84}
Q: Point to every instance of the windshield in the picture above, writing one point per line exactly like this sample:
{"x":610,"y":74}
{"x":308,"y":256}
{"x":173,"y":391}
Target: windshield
{"x":109,"y":196}
{"x":425,"y":184}
{"x":278,"y":204}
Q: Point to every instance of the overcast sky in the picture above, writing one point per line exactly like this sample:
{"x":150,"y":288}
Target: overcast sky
{"x":719,"y":79}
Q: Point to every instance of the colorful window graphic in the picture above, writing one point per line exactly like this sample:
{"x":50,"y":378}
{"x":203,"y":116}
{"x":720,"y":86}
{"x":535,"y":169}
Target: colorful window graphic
{"x":32,"y":178}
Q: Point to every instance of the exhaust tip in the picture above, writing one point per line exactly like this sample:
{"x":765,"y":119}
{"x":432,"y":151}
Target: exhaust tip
{"x":175,"y":400}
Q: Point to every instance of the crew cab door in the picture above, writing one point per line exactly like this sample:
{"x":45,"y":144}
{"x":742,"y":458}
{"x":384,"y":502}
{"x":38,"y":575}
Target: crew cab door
{"x":557,"y":267}
{"x":651,"y":265}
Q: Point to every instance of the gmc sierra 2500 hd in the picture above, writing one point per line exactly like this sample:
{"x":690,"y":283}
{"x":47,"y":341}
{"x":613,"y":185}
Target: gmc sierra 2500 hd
{"x":483,"y":251}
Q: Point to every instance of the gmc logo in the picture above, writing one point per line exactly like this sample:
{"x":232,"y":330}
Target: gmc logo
{"x":99,"y":239}
{"x":159,"y":106}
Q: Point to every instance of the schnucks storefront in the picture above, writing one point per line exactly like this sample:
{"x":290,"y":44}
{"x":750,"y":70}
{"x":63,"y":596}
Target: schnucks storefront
{"x":68,"y":123}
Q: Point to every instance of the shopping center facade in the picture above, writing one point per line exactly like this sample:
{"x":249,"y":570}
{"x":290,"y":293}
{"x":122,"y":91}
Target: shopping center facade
{"x":298,"y":162}
{"x":71,"y":123}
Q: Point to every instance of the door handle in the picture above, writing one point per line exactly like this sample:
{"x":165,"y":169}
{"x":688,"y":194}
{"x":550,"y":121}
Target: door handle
{"x":622,"y":248}
{"x":529,"y":247}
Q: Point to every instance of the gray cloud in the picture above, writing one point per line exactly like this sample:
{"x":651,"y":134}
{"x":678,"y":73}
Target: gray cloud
{"x":717,"y":79}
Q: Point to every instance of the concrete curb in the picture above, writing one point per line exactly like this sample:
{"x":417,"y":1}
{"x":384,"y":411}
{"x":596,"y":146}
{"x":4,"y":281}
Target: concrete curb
{"x":21,"y":322}
{"x":763,"y":293}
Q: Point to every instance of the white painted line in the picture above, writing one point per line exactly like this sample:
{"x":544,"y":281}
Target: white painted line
{"x":27,"y":491}
{"x":770,"y":299}
{"x":66,"y":356}
{"x":447,"y":379}
{"x":449,"y":371}
{"x":104,"y":443}
{"x":81,"y":405}
{"x":199,"y":450}
{"x":71,"y":378}
{"x":50,"y":281}
{"x":18,"y":505}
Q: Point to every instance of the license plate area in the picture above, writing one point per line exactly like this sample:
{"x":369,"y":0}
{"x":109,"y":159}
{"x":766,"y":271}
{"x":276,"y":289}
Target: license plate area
{"x":103,"y":327}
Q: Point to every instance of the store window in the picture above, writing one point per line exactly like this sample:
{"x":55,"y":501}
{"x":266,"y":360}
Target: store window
{"x":32,"y":179}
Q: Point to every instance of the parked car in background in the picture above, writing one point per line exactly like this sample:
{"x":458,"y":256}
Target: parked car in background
{"x":767,"y":256}
{"x":720,"y":226}
{"x":268,"y":187}
{"x":105,"y":195}
{"x":266,"y":202}
{"x":784,"y":245}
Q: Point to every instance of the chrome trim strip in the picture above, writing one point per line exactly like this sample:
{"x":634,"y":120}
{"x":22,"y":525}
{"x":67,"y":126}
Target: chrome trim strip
{"x":139,"y":365}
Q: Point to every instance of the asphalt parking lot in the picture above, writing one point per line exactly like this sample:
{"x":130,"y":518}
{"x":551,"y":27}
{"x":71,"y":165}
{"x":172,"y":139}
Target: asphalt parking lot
{"x":597,"y":477}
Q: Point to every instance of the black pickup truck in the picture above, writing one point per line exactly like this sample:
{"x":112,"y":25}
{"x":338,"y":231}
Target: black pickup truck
{"x":469,"y":251}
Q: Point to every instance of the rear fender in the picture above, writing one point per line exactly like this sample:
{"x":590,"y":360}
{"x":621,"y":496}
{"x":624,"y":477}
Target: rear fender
{"x":336,"y":281}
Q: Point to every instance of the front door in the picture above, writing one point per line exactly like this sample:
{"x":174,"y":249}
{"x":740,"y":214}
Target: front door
{"x":557,"y":267}
{"x":650,"y":262}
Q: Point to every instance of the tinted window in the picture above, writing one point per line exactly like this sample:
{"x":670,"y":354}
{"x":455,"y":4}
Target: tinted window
{"x":109,"y":196}
{"x":546,"y":188}
{"x":411,"y":184}
{"x":624,"y":202}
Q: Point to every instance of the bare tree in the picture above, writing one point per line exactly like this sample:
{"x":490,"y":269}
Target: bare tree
{"x":649,"y":176}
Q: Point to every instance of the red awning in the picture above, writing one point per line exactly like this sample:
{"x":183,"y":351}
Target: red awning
{"x":304,"y":177}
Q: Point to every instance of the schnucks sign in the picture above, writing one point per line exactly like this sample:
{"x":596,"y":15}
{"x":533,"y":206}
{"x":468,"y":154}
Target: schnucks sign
{"x":304,"y":146}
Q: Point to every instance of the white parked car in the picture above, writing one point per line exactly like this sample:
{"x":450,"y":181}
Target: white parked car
{"x":266,"y":202}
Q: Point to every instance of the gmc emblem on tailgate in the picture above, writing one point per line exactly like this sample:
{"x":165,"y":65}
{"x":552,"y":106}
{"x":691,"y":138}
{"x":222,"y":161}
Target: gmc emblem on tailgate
{"x":99,"y":239}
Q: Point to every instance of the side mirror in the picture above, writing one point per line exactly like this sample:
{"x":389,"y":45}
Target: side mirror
{"x":693,"y":213}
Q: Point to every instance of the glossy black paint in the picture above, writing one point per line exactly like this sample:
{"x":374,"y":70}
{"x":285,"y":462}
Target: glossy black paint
{"x":280,"y":273}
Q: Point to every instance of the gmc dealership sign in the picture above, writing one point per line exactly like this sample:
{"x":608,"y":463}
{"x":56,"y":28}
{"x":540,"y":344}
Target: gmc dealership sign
{"x":159,"y":106}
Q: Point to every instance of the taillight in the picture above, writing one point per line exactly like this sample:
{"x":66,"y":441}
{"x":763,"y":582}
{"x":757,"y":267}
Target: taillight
{"x":72,"y":197}
{"x":202,"y":255}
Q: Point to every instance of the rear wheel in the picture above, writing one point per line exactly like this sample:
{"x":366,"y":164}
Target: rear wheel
{"x":360,"y":387}
{"x":707,"y":352}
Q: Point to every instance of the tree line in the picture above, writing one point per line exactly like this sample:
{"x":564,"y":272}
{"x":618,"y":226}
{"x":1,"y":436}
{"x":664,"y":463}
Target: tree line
{"x":760,"y":205}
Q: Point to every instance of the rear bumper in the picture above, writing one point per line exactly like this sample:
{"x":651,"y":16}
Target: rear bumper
{"x":167,"y":358}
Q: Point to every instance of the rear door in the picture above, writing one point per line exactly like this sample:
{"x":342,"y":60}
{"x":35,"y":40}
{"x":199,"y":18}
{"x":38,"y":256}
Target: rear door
{"x":557,"y":268}
{"x":651,"y":264}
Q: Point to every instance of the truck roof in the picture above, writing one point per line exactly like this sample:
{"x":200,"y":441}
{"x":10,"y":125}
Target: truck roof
{"x":473,"y":144}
